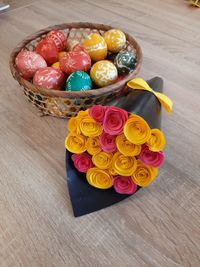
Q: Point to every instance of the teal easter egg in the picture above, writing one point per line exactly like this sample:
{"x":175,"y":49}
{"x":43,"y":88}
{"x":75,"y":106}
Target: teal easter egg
{"x":78,"y":81}
{"x":125,"y":61}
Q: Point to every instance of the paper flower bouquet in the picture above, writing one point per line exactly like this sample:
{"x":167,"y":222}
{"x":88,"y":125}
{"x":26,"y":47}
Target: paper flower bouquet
{"x":115,"y":148}
{"x":113,"y":151}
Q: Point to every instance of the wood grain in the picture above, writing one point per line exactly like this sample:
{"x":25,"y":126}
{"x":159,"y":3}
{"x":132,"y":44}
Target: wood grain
{"x":159,"y":226}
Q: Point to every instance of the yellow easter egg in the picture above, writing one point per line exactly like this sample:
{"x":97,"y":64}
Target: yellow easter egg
{"x":95,"y":46}
{"x":56,"y":65}
{"x":103,"y":73}
{"x":61,"y":54}
{"x":115,"y":40}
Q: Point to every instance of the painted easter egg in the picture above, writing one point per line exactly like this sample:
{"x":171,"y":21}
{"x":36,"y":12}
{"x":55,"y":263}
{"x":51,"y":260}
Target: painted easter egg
{"x":75,"y":61}
{"x":95,"y":46}
{"x":78,"y":81}
{"x":56,"y":65}
{"x":48,"y":50}
{"x":125,"y":61}
{"x":58,"y":38}
{"x":49,"y":78}
{"x":115,"y":40}
{"x":103,"y":73}
{"x":61,"y":54}
{"x":28,"y":63}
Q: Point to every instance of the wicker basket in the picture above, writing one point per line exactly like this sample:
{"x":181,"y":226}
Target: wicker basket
{"x":65,"y":104}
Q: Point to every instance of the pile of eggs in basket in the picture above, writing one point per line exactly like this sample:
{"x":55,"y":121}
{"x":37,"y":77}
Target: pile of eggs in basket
{"x":61,"y":64}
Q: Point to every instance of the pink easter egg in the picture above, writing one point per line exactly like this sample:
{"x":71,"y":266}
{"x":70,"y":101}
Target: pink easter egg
{"x":28,"y":63}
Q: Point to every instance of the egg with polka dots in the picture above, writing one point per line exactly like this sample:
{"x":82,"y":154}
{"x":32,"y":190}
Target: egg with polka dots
{"x":78,"y":81}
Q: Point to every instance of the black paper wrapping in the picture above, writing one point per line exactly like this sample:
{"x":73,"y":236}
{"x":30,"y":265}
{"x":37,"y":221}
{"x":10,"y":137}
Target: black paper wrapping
{"x":85,"y":198}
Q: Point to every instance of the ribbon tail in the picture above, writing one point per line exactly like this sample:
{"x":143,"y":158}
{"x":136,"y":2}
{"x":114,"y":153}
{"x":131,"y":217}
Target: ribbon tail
{"x":140,"y":84}
{"x":165,"y":101}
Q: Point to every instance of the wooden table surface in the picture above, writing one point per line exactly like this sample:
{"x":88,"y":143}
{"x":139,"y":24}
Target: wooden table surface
{"x":160,"y":225}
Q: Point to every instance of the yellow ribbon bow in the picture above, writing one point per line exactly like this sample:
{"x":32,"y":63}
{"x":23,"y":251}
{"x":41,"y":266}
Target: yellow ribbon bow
{"x":140,"y":84}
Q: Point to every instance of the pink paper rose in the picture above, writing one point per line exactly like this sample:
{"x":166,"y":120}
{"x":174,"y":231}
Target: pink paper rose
{"x":82,"y":162}
{"x":150,"y":158}
{"x":124,"y":185}
{"x":114,"y":120}
{"x":97,"y":113}
{"x":107,"y":142}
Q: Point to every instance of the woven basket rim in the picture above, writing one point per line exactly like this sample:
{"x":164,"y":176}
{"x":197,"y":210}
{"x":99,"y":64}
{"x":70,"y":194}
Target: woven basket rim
{"x":75,"y":94}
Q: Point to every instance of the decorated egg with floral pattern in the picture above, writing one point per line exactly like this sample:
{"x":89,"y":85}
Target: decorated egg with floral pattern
{"x":103,"y":73}
{"x":78,"y":81}
{"x":28,"y":63}
{"x":115,"y":40}
{"x":48,"y":50}
{"x":75,"y":61}
{"x":49,"y":78}
{"x":95,"y":46}
{"x":58,"y":38}
{"x":125,"y":61}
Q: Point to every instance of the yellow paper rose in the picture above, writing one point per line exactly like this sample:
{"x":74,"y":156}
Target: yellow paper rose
{"x":73,"y":125}
{"x":126,"y":147}
{"x":99,"y":178}
{"x":89,"y":127}
{"x":93,"y":145}
{"x":112,"y":171}
{"x":82,"y":113}
{"x":102,"y":160}
{"x":144,"y":175}
{"x":123,"y":165}
{"x":156,"y":141}
{"x":75,"y":143}
{"x":136,"y":130}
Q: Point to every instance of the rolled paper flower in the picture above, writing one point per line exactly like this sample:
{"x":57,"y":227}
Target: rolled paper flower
{"x":83,"y":113}
{"x":150,"y":158}
{"x":73,"y":126}
{"x":144,"y":175}
{"x":136,"y":130}
{"x":114,"y":120}
{"x":126,"y":147}
{"x":97,"y":113}
{"x":75,"y":143}
{"x":107,"y":142}
{"x":89,"y":127}
{"x":93,"y":145}
{"x":112,"y":171}
{"x":156,"y":141}
{"x":124,"y":185}
{"x":82,"y":162}
{"x":124,"y":165}
{"x":102,"y":160}
{"x":99,"y":178}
